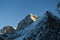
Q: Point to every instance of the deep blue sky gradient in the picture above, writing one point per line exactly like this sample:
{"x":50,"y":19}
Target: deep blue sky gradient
{"x":13,"y":11}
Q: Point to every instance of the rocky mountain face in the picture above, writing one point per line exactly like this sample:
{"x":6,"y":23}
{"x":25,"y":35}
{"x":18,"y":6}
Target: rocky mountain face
{"x":33,"y":27}
{"x":29,"y":19}
{"x":48,"y":28}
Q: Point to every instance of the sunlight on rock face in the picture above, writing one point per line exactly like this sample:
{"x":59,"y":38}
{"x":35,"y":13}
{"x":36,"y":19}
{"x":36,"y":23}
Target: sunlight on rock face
{"x":34,"y":17}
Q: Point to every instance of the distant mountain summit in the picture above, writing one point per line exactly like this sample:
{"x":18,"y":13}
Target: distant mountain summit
{"x":29,"y":19}
{"x":8,"y":29}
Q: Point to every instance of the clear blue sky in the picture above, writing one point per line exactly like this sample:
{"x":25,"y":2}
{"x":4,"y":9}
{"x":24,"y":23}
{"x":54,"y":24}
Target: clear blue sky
{"x":13,"y":11}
